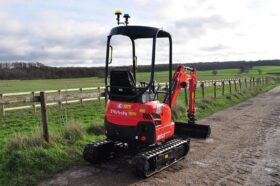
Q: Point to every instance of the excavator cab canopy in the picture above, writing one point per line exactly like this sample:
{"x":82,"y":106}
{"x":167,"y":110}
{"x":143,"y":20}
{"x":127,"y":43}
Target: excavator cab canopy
{"x":139,"y":32}
{"x":117,"y":90}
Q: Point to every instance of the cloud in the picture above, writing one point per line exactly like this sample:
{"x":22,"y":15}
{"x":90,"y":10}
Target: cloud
{"x":215,"y":48}
{"x":74,"y":34}
{"x":194,"y":27}
{"x":52,"y":39}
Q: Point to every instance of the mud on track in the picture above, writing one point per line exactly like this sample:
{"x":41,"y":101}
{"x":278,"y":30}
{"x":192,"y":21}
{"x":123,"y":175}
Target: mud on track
{"x":244,"y":149}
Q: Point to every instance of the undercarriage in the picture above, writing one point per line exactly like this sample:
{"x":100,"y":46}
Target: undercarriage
{"x":145,"y":160}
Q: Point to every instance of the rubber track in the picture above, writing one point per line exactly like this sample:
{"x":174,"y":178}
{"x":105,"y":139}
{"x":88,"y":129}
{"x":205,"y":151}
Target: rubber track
{"x":161,"y":150}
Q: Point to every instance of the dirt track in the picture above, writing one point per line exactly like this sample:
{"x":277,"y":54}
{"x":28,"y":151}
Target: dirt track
{"x":243,"y":150}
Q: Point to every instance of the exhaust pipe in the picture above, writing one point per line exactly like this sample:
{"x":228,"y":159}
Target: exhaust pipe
{"x":187,"y":130}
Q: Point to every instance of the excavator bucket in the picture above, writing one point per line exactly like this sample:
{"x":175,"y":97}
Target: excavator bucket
{"x":186,"y":130}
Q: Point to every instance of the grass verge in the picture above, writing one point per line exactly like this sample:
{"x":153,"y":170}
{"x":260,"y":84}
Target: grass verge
{"x":209,"y":106}
{"x":27,"y":158}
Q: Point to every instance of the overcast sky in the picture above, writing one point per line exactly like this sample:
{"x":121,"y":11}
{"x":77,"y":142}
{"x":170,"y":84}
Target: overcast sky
{"x":73,"y":32}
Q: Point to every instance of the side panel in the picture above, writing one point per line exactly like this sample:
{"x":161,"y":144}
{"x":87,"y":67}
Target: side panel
{"x":164,"y":132}
{"x":147,"y":123}
{"x":143,"y":133}
{"x":166,"y":129}
{"x":126,"y":113}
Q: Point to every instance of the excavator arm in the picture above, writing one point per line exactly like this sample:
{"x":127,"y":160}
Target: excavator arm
{"x":182,"y":79}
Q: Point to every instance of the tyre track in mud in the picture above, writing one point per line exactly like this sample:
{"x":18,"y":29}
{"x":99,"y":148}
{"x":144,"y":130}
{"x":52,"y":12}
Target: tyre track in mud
{"x":242,"y":150}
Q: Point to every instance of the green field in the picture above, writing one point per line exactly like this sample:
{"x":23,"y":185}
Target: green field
{"x":36,"y":85}
{"x":25,"y":158}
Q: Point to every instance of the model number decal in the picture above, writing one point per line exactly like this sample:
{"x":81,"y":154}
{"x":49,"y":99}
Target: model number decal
{"x":162,"y":136}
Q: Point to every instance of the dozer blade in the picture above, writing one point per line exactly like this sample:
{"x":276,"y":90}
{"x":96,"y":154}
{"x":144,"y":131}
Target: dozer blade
{"x":187,"y":130}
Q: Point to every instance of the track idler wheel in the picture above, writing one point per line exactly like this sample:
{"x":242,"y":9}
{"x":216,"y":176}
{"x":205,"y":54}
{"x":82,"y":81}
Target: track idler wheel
{"x":142,"y":166}
{"x":98,"y":152}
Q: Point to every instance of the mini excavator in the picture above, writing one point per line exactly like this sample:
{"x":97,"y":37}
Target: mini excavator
{"x":136,"y":122}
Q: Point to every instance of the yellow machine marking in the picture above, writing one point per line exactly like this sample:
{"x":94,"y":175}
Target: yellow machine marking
{"x":126,"y":106}
{"x":132,"y":113}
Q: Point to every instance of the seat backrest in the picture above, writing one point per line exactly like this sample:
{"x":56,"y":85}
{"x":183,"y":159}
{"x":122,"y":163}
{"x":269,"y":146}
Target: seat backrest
{"x":119,"y":79}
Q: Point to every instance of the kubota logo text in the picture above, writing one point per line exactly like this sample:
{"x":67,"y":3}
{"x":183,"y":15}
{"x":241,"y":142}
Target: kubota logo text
{"x":117,"y":112}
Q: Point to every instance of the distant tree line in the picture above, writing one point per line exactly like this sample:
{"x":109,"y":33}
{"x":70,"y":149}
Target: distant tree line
{"x":246,"y":65}
{"x":22,"y":70}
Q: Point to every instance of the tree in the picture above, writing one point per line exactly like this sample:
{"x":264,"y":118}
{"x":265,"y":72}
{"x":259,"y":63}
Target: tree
{"x":215,"y":72}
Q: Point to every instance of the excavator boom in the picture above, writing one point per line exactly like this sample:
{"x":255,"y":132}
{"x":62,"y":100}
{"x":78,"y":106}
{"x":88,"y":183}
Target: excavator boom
{"x":182,"y":79}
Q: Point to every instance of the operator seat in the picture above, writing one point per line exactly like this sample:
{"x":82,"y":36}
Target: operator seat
{"x":122,"y":83}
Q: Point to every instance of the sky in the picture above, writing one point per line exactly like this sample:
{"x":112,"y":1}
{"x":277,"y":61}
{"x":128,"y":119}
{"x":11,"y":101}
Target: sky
{"x":74,"y":33}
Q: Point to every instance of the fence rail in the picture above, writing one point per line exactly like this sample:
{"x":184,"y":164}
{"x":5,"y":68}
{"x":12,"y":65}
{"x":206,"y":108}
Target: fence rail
{"x":64,"y":98}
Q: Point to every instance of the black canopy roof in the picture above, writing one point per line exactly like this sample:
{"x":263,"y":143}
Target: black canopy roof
{"x":136,"y":32}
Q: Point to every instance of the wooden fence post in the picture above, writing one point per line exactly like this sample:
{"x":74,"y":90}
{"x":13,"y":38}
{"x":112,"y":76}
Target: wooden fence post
{"x":44,"y":116}
{"x":229,"y":83}
{"x":215,"y":89}
{"x":202,"y":89}
{"x":245,"y":82}
{"x":59,"y":102}
{"x":34,"y":103}
{"x":99,"y":94}
{"x":2,"y":107}
{"x":81,"y":100}
{"x":223,"y":88}
{"x":253,"y":81}
{"x":250,"y":82}
{"x":235,"y":87}
{"x":240,"y":86}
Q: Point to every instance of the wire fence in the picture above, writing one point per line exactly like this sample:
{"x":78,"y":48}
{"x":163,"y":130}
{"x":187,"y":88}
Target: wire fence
{"x":29,"y":100}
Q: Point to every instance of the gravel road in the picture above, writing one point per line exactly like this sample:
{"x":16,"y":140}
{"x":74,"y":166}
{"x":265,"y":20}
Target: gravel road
{"x":243,"y":150}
